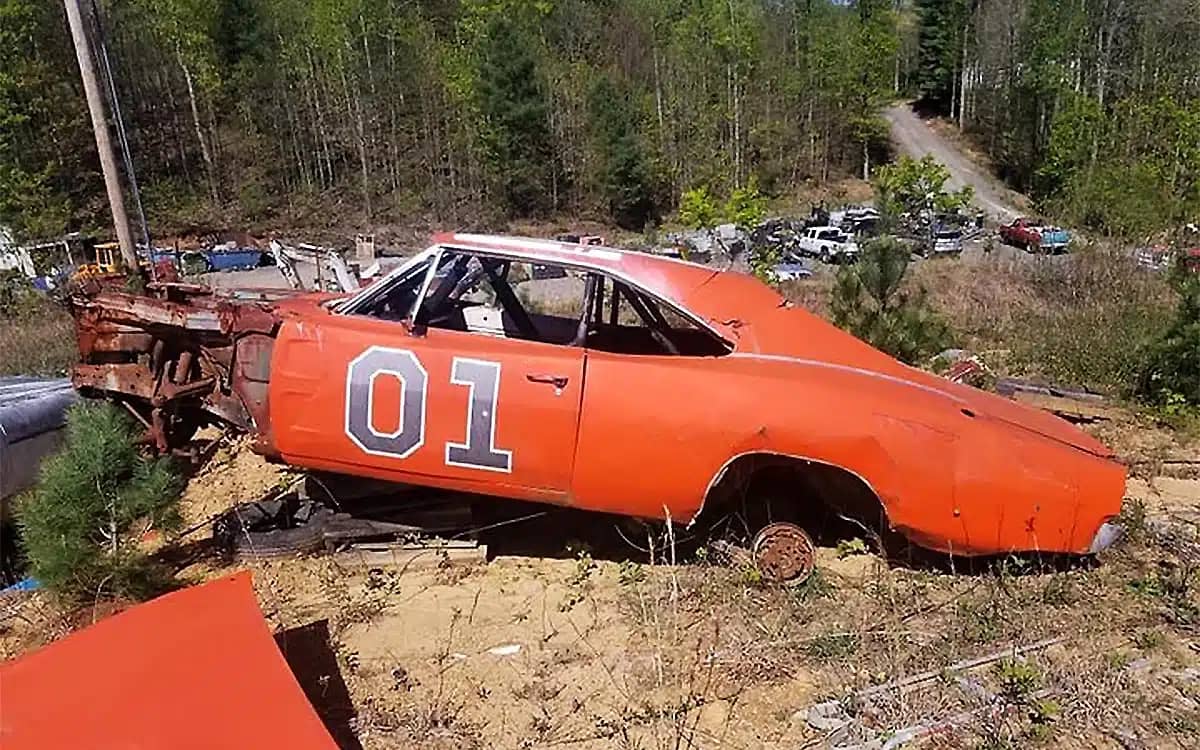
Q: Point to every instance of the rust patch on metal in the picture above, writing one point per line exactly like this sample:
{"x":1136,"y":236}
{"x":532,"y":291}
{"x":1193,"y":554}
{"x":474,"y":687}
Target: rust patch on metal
{"x":784,"y":553}
{"x":179,"y":355}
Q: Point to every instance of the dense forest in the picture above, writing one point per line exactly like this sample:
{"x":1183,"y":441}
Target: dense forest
{"x":1092,"y":106}
{"x":461,"y":110}
{"x":453,"y":108}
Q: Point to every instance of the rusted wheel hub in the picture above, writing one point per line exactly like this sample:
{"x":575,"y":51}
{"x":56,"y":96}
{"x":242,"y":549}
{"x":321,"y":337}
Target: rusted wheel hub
{"x":783,"y":553}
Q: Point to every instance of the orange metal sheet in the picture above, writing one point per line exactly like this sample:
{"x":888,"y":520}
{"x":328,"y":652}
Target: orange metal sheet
{"x":197,"y":668}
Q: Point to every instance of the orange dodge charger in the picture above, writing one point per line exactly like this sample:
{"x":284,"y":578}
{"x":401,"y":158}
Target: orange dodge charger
{"x":605,"y":380}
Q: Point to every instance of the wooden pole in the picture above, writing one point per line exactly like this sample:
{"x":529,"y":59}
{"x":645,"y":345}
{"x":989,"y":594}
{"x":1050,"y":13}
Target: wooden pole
{"x":108,"y":161}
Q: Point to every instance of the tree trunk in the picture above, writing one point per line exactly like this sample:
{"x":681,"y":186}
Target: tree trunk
{"x":355,"y":107}
{"x":209,"y":168}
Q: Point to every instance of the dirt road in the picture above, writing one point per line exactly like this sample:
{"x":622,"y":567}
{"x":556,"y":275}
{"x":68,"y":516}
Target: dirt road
{"x":915,"y":138}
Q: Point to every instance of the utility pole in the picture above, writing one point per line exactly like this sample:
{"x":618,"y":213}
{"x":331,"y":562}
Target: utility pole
{"x":108,"y":161}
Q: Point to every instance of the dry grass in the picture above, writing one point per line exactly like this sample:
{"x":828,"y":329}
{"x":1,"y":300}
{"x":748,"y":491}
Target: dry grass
{"x":1125,"y":627}
{"x":39,"y":343}
{"x":1085,"y":319}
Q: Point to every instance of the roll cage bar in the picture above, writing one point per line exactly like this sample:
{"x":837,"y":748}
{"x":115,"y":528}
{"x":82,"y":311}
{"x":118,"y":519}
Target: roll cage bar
{"x":459,"y":276}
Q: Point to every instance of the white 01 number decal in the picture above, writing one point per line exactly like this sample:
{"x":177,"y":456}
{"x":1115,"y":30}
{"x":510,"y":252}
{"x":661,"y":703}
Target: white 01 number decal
{"x":481,"y":377}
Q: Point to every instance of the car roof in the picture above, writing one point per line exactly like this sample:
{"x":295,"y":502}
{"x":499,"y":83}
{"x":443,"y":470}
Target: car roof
{"x":670,"y":278}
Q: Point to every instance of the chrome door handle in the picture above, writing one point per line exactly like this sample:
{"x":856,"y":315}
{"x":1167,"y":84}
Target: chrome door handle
{"x":558,"y":381}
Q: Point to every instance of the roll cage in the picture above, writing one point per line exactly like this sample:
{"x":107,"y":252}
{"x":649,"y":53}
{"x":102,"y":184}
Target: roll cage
{"x":616,"y":314}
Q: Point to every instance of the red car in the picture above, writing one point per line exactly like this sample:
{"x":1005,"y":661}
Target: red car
{"x":1034,"y":236}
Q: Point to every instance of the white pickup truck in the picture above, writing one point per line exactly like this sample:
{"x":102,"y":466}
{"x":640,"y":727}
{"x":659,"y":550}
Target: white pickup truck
{"x":830,"y":244}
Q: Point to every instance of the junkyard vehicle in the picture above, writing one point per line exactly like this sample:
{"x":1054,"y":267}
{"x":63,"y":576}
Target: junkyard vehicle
{"x":947,"y":241}
{"x":1034,"y":236}
{"x":646,"y":387}
{"x":830,"y":244}
{"x":792,"y":271}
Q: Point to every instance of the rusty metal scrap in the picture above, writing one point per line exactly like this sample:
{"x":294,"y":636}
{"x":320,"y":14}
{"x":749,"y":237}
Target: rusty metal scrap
{"x":180,"y":351}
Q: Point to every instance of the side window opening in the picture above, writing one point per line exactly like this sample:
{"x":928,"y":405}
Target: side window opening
{"x":553,"y":304}
{"x":504,"y":298}
{"x":396,"y":302}
{"x":624,"y":320}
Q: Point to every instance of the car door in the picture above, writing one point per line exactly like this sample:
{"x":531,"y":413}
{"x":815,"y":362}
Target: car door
{"x":368,"y":392}
{"x":653,"y":429}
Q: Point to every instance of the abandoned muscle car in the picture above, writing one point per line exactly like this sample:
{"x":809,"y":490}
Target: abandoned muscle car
{"x":644,"y":386}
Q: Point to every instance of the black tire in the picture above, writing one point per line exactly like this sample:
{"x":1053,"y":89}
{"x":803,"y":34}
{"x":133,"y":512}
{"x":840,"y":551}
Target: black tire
{"x":272,"y":528}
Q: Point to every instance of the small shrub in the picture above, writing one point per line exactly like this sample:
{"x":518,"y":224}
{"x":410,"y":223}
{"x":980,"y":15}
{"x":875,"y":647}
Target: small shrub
{"x":914,"y":186}
{"x":697,"y":209}
{"x":746,"y":207}
{"x":82,"y":525}
{"x":1018,"y":679}
{"x":630,"y":573}
{"x":870,"y":300}
{"x":763,"y":261}
{"x":1171,"y":377}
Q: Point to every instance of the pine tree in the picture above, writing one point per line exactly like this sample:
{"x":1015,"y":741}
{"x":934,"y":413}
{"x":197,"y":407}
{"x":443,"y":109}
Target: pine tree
{"x":869,"y":299}
{"x":515,"y":111}
{"x":626,"y":175}
{"x":82,"y":526}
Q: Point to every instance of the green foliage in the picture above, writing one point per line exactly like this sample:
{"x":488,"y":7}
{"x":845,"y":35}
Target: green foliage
{"x":869,"y":299}
{"x":44,"y":132}
{"x":515,"y":112}
{"x":630,"y":573}
{"x":18,"y":298}
{"x":82,"y":525}
{"x":763,"y":261}
{"x":1127,"y":170}
{"x":916,"y":185}
{"x":746,"y":206}
{"x":851,"y":547}
{"x":698,"y":209}
{"x":626,"y":171}
{"x":940,"y":45}
{"x":1018,"y":678}
{"x":1171,"y":377}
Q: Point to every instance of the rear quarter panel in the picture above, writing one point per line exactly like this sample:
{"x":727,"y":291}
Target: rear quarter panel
{"x":656,"y":431}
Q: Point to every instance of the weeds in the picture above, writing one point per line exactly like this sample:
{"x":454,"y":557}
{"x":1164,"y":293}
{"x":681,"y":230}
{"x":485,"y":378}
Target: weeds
{"x":832,"y":646}
{"x":849,"y":547}
{"x":41,"y":343}
{"x":579,"y":581}
{"x":1018,"y":679}
{"x":630,"y":573}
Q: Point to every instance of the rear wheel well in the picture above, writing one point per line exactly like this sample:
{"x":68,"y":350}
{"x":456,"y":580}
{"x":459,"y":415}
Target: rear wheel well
{"x":828,"y":501}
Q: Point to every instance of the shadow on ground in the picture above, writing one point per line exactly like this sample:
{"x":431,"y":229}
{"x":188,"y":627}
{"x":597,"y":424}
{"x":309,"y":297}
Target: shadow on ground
{"x":307,"y":651}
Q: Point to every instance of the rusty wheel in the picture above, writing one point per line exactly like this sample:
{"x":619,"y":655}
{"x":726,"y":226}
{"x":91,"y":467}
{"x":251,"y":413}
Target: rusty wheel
{"x":784,"y":553}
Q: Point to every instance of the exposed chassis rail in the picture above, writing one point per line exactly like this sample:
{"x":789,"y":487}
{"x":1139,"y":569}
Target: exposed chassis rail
{"x":178,"y":357}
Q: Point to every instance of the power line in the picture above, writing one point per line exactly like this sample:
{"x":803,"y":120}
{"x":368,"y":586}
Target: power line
{"x":119,"y":121}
